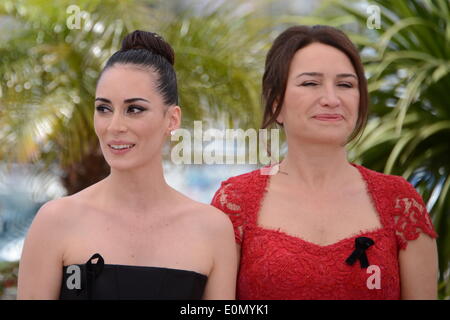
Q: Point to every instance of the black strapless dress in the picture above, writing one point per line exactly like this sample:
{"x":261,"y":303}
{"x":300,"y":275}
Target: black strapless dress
{"x":102,"y":281}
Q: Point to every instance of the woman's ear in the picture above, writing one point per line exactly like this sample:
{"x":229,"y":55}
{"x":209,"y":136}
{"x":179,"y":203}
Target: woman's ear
{"x":174,"y":116}
{"x":279,"y":119}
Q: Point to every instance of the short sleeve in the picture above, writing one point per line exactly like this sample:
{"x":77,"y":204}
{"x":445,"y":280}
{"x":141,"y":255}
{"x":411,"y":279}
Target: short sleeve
{"x":411,"y":216}
{"x":229,"y":202}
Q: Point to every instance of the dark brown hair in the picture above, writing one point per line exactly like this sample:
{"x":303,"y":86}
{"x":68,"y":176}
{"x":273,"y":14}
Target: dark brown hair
{"x":279,"y":59}
{"x":149,"y":50}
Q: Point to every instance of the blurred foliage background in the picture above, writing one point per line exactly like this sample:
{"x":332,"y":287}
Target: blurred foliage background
{"x":51,"y":53}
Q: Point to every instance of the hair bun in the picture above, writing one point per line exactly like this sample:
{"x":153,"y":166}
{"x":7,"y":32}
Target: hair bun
{"x":150,"y":41}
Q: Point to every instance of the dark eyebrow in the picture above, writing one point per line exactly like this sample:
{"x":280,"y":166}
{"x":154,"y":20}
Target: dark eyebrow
{"x":318,"y":74}
{"x":313,"y":74}
{"x":346,"y":75}
{"x":135,"y":99}
{"x":126,"y":100}
{"x":103,"y":99}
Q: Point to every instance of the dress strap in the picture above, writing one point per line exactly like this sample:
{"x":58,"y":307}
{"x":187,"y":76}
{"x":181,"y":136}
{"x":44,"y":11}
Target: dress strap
{"x":258,"y":189}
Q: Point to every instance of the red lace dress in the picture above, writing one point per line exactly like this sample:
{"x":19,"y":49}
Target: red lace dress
{"x":278,"y":266}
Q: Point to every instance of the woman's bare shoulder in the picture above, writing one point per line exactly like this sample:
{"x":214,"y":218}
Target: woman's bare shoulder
{"x":64,"y":211}
{"x":209,"y":219}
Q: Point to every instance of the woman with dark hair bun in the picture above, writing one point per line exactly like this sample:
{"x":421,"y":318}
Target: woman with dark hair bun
{"x":319,"y":227}
{"x":131,"y":236}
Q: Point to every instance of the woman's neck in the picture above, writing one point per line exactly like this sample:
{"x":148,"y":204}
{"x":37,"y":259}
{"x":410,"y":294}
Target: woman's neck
{"x":317,"y":166}
{"x":139,"y":190}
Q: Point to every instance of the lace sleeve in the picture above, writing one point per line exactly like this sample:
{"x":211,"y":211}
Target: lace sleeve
{"x":411,"y":216}
{"x":226,"y":200}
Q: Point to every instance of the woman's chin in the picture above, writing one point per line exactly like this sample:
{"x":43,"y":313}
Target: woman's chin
{"x":326,"y":140}
{"x":121,"y":165}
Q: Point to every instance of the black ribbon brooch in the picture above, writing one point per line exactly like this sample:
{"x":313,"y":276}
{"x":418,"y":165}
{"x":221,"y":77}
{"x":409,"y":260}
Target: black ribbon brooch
{"x":361,"y":245}
{"x":93,"y":270}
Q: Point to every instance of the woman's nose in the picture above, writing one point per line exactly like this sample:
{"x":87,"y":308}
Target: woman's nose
{"x":117,"y":124}
{"x":329,"y":97}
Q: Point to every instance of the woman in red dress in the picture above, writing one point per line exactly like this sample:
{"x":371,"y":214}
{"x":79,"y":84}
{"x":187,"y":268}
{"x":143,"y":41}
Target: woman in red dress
{"x":319,"y":227}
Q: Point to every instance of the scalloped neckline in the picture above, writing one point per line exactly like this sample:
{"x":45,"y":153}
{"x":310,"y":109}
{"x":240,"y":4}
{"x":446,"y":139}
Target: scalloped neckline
{"x":297,"y":238}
